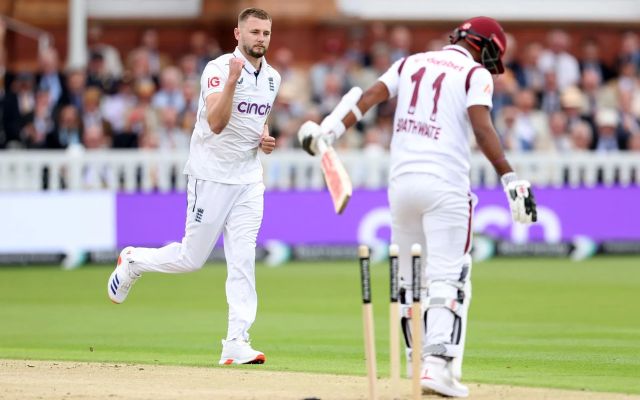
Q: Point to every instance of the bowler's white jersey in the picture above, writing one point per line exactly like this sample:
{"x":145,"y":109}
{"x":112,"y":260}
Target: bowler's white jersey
{"x":232,"y":155}
{"x":431,"y":126}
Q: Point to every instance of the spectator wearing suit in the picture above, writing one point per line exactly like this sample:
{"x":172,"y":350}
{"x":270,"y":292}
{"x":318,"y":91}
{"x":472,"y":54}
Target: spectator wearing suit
{"x":19,"y":102}
{"x":50,"y":79}
{"x":68,"y":130}
{"x":591,"y":60}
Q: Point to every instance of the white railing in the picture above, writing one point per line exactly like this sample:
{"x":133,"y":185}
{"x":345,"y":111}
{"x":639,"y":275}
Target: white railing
{"x":133,"y":170}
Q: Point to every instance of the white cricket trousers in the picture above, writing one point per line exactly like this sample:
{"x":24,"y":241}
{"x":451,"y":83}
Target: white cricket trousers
{"x":436,"y":214}
{"x":214,"y":208}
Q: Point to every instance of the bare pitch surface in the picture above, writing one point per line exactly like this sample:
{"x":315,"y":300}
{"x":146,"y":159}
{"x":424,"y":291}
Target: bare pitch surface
{"x":47,"y":380}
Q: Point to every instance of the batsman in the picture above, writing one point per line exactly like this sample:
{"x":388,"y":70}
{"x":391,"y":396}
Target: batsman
{"x":442,"y":96}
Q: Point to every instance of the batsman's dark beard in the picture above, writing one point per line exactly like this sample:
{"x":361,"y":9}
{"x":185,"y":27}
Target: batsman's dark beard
{"x":253,"y":53}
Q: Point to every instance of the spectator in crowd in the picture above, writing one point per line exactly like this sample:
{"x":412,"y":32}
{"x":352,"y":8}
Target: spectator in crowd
{"x":581,"y":135}
{"x":629,"y":49}
{"x":38,"y":123}
{"x":332,"y":93}
{"x":110,"y":55}
{"x":68,"y":129}
{"x":531,"y":76}
{"x":557,"y":58}
{"x":140,"y":67}
{"x":114,"y":107}
{"x":629,"y":121}
{"x":190,"y":92}
{"x":560,"y":138}
{"x":608,"y":136}
{"x":591,"y":60}
{"x":76,"y":85}
{"x":530,"y":125}
{"x":98,"y":75}
{"x":628,"y":77}
{"x":170,"y":135}
{"x":355,"y":50}
{"x":509,"y":60}
{"x":295,"y":80}
{"x":189,"y":68}
{"x":550,"y":95}
{"x":150,"y":43}
{"x":503,"y":91}
{"x":170,"y":93}
{"x":142,"y":117}
{"x":96,"y":176}
{"x":400,"y":43}
{"x":19,"y":102}
{"x":204,"y":48}
{"x":634,"y":145}
{"x":377,"y":37}
{"x":331,"y":64}
{"x":573,"y":105}
{"x":90,"y":111}
{"x":50,"y":79}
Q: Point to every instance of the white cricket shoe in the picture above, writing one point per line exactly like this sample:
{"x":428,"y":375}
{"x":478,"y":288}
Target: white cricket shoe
{"x":437,"y":377}
{"x":122,"y":278}
{"x":238,"y":351}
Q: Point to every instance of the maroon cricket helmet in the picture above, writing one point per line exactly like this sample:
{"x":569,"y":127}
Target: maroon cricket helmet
{"x":487,"y":36}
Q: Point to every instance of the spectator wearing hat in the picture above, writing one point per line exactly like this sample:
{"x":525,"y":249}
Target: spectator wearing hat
{"x":608,"y":135}
{"x":573,"y":104}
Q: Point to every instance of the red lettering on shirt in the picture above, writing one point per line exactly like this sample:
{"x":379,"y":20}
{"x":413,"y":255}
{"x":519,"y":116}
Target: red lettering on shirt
{"x":213,"y":82}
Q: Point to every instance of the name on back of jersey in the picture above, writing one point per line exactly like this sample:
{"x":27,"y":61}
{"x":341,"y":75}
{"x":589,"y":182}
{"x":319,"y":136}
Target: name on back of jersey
{"x":426,"y":129}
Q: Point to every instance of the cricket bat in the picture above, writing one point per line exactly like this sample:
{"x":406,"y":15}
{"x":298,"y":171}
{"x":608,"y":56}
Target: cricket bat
{"x":336,"y":177}
{"x":333,"y":171}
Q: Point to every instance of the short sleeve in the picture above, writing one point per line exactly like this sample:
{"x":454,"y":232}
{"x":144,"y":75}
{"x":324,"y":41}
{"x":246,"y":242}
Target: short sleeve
{"x":213,"y":79}
{"x":479,"y":87}
{"x":391,"y":78}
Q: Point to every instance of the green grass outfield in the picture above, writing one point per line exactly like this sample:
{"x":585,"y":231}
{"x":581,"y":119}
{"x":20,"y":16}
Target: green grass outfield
{"x":534,"y":322}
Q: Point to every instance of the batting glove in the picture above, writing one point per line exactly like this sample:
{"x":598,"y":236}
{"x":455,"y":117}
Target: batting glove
{"x":310,"y":133}
{"x":521,"y":200}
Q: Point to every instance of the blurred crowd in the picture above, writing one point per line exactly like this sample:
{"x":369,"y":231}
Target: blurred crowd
{"x":549,"y":100}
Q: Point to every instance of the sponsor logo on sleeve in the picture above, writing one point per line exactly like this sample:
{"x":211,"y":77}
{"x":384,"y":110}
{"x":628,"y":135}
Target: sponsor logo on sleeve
{"x":213,"y":82}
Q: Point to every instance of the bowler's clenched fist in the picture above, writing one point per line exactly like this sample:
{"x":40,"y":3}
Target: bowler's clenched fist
{"x":235,"y":68}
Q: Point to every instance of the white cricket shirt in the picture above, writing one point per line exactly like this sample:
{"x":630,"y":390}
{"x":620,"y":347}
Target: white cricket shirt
{"x":232,"y":155}
{"x":431,"y":126}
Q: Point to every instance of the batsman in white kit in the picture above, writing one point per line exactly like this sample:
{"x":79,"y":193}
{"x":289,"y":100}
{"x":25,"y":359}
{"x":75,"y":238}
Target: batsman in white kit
{"x":442,"y":96}
{"x":225,"y":188}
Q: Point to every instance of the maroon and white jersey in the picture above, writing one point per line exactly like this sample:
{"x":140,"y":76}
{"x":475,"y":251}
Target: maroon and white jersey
{"x":431,"y":126}
{"x":232,"y":156}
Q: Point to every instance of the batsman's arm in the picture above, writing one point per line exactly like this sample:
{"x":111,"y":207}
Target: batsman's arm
{"x":373,"y":96}
{"x":519,"y":194}
{"x":487,"y":138}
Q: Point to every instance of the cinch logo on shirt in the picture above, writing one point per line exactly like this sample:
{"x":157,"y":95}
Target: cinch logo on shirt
{"x":254,"y":108}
